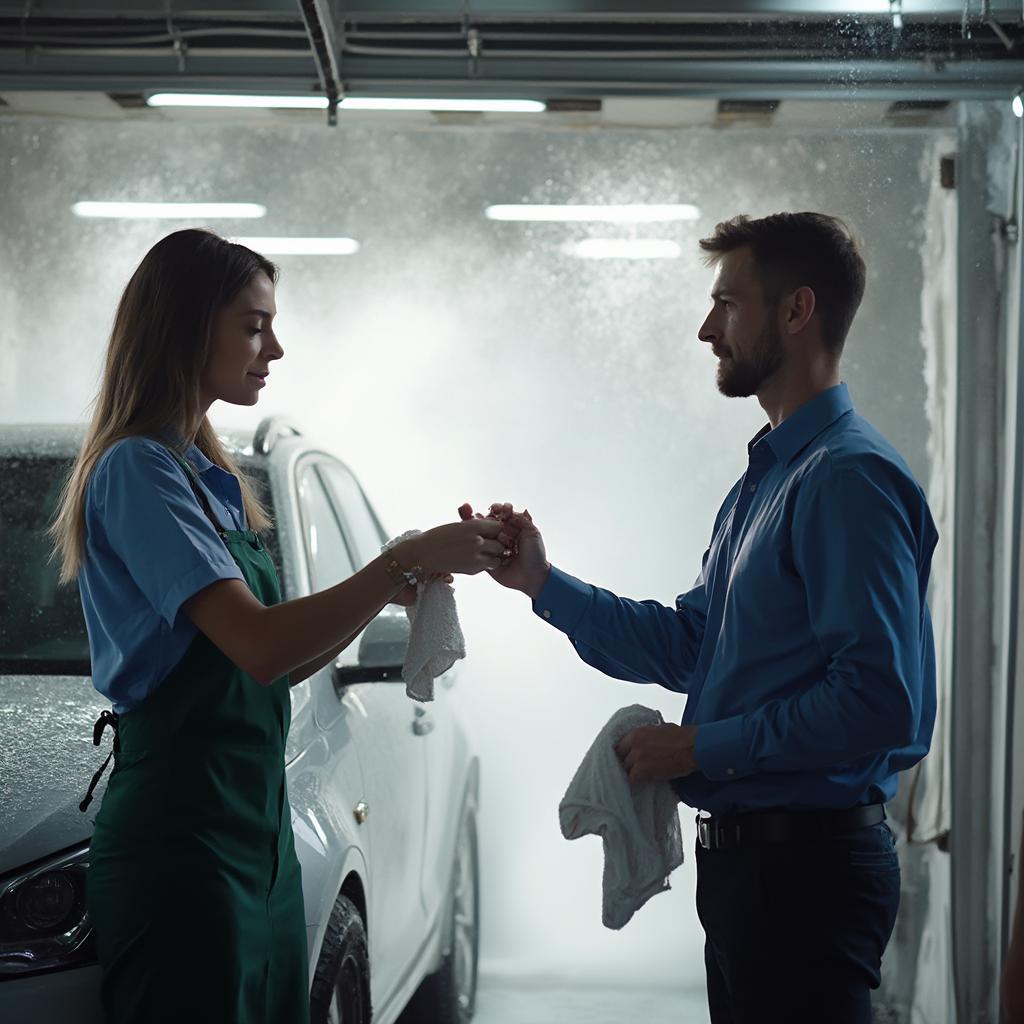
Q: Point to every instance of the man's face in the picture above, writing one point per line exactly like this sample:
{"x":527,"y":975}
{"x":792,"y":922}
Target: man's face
{"x":741,"y":328}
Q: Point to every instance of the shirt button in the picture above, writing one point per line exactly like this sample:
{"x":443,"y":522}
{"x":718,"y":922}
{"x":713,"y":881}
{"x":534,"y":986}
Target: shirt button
{"x":752,"y":488}
{"x":730,"y":771}
{"x":547,"y":613}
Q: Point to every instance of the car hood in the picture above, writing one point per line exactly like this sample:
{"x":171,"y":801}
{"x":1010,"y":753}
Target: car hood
{"x":47,"y":759}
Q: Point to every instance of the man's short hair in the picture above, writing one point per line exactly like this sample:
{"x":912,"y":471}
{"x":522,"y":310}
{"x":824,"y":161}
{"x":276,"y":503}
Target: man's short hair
{"x":793,"y":250}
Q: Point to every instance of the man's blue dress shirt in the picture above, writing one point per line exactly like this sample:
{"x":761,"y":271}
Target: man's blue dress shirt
{"x":805,"y":647}
{"x":149,"y":548}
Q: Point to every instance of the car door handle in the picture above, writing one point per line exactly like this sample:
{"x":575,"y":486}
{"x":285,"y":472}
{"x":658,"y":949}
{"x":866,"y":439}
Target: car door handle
{"x":423,"y":723}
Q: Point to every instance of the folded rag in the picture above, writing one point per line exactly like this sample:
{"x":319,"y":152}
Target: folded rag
{"x":435,"y":639}
{"x":638,"y":822}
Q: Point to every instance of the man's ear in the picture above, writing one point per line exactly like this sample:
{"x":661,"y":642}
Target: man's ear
{"x":798,"y":308}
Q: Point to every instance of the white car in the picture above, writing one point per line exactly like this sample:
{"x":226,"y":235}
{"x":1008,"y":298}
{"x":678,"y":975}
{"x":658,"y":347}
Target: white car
{"x":383,"y":790}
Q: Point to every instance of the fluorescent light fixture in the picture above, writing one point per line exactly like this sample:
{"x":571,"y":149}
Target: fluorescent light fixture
{"x":301,"y":246}
{"x":624,"y":249}
{"x":184,"y":99}
{"x":1018,"y":105}
{"x":634,"y":213}
{"x":194,"y":99}
{"x":167,"y":211}
{"x":456,"y":106}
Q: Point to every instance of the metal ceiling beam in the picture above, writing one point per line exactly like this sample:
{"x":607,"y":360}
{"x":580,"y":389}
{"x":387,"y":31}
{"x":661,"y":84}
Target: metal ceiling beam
{"x":575,"y":49}
{"x":537,"y":79}
{"x":527,"y":10}
{"x":670,"y":10}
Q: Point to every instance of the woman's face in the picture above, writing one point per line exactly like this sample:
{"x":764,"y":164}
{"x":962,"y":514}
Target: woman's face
{"x":243,"y":346}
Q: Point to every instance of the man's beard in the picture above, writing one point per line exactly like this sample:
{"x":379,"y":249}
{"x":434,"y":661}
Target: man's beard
{"x":742,"y":376}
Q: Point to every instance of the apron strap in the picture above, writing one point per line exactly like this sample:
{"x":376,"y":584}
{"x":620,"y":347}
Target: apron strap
{"x":193,"y":482}
{"x":106,"y":718}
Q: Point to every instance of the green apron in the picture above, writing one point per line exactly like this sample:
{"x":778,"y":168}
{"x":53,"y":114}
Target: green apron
{"x":193,"y":885}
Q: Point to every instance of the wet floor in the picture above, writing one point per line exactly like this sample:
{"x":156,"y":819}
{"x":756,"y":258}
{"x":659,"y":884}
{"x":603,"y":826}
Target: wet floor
{"x":504,"y":1001}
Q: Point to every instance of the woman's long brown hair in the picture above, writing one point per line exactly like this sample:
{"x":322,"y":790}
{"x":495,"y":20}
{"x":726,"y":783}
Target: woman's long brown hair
{"x":157,"y":351}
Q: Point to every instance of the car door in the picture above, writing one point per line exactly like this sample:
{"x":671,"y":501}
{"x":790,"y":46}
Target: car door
{"x":391,"y":756}
{"x":303,"y":730}
{"x":432,"y":723}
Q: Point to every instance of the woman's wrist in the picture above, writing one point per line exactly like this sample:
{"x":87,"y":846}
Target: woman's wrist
{"x":389,"y":566}
{"x":408,"y":557}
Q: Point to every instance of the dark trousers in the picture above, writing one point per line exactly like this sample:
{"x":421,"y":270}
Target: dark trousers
{"x":795,"y":931}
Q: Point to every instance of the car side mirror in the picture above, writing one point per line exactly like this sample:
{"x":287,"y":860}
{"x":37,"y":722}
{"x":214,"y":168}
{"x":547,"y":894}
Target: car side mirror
{"x":382,"y":651}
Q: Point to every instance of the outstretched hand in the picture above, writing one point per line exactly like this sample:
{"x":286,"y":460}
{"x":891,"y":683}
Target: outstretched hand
{"x":526,"y":569}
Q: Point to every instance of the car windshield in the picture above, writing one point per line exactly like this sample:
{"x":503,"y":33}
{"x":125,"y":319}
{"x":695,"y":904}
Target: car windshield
{"x":41,"y":624}
{"x":42,"y":630}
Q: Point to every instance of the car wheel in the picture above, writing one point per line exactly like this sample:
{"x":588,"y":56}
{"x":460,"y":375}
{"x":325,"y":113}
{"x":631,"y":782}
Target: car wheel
{"x":448,"y":996}
{"x":341,"y":984}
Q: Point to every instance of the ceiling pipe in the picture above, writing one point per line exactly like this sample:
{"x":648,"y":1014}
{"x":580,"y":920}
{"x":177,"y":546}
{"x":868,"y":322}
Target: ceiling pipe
{"x":320,"y":29}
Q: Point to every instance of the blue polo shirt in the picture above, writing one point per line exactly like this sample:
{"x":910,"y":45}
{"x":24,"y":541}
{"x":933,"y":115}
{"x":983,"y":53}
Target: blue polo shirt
{"x":149,"y":548}
{"x":805,"y":646}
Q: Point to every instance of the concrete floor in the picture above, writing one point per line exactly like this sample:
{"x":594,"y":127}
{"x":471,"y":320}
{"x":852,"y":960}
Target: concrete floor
{"x":519,"y":1001}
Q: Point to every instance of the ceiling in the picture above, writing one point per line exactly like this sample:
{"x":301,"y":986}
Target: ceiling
{"x":571,"y":54}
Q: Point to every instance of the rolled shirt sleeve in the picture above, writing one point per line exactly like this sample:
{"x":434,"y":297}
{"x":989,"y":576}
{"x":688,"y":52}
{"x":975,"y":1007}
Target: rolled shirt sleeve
{"x":152,"y":521}
{"x":861,"y":541}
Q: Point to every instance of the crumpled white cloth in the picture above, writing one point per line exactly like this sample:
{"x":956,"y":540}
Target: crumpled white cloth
{"x":638,"y":823}
{"x":435,"y":640}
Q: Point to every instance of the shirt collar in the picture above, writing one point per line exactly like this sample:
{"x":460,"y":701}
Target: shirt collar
{"x":801,"y":427}
{"x":188,"y":451}
{"x":198,"y":459}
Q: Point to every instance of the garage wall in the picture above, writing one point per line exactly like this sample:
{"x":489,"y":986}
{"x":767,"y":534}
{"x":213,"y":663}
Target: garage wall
{"x":454,"y":358}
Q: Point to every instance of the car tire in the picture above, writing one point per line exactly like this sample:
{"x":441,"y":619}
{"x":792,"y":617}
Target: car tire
{"x":448,"y":996}
{"x":341,"y":983}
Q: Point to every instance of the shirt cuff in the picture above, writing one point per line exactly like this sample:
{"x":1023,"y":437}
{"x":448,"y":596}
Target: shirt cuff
{"x":563,"y":601}
{"x":722,"y":752}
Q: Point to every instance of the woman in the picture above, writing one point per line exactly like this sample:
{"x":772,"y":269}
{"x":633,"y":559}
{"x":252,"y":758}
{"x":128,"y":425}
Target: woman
{"x":193,"y":886}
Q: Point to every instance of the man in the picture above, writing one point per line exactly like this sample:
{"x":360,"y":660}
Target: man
{"x":805,"y":646}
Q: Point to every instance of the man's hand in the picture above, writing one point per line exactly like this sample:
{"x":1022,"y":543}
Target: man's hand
{"x":526,"y":568}
{"x":658,"y":753}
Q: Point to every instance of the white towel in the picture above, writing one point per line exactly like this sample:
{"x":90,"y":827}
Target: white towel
{"x":638,"y":822}
{"x":435,"y":640}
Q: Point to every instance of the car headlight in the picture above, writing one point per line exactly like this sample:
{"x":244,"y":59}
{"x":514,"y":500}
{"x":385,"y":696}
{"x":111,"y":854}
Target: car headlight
{"x":43,"y":922}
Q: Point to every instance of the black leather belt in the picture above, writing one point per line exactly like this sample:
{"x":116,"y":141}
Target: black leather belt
{"x":753,"y":828}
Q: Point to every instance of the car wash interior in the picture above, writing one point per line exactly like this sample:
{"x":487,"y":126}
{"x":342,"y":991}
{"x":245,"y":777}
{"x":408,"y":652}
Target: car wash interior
{"x":486,"y":215}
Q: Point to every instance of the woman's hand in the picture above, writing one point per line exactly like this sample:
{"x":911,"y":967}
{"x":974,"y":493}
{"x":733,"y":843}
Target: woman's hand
{"x":527,"y":567}
{"x":468,"y":547}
